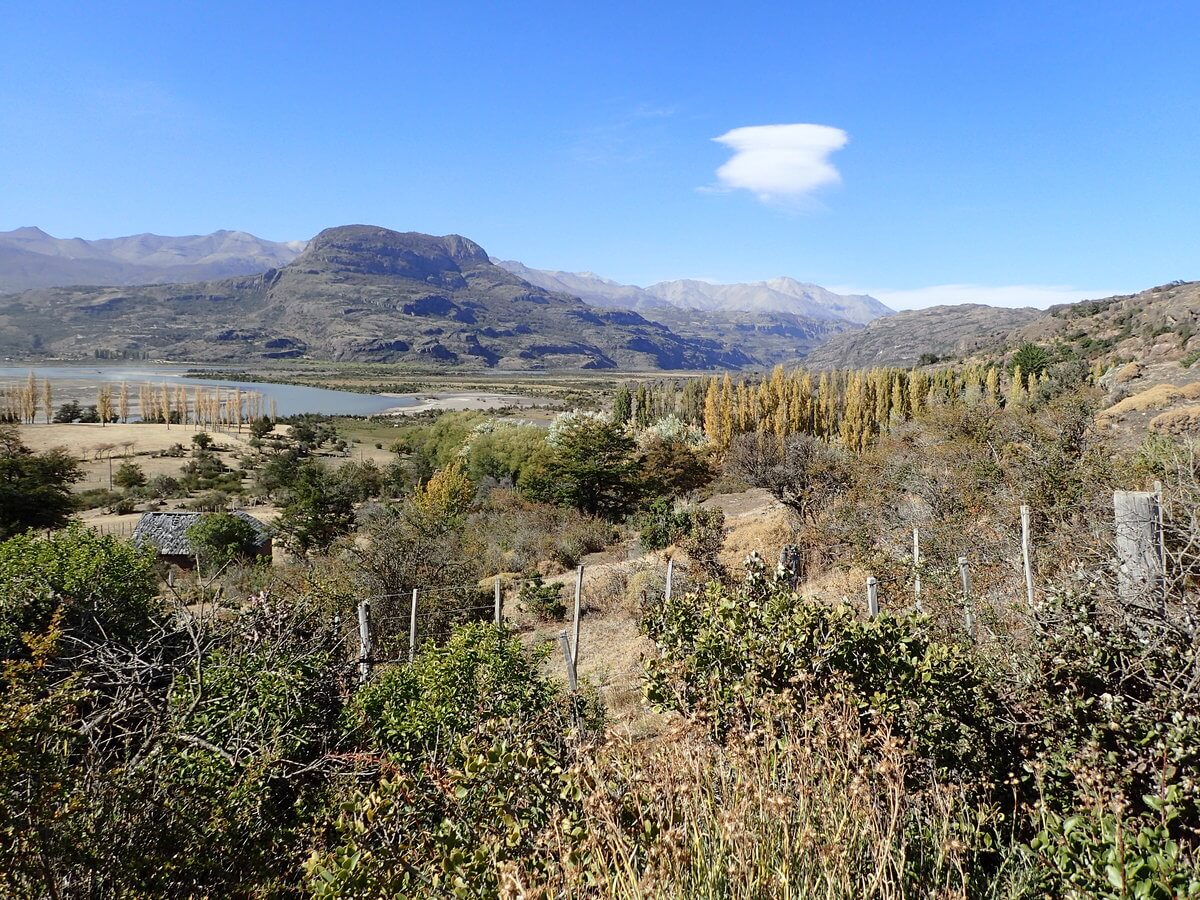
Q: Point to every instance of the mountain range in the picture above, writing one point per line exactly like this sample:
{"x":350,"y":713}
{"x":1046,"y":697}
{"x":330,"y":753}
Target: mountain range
{"x":365,"y":293}
{"x":776,"y":295}
{"x":30,"y":258}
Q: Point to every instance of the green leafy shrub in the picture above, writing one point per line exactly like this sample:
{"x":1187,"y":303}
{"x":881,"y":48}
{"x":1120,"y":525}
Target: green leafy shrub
{"x":220,"y":538}
{"x":544,"y":601}
{"x":102,"y":585}
{"x":94,"y":498}
{"x":1101,"y":854}
{"x":661,"y":524}
{"x":483,"y":673}
{"x":129,"y":476}
{"x":704,"y":540}
{"x":475,"y":742}
{"x":725,"y":649}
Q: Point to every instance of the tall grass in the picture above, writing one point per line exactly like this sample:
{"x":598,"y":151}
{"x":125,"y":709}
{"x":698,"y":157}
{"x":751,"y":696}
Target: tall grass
{"x":817,"y":811}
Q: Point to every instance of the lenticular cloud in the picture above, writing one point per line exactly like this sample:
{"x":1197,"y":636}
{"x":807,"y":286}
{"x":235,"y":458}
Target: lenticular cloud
{"x":780,"y":162}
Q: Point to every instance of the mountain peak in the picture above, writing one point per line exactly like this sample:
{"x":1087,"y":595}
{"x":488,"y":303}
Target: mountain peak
{"x":372,"y":250}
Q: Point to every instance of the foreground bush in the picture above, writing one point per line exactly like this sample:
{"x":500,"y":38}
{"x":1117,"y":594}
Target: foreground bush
{"x":102,"y":587}
{"x":467,"y":750}
{"x":722,"y":650}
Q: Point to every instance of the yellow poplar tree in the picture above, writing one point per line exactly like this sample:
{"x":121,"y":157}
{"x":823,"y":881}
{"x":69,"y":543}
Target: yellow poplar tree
{"x":712,"y":412}
{"x":1016,"y":388}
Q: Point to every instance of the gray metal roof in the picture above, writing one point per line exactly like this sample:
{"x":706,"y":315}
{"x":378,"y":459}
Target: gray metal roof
{"x":168,"y":530}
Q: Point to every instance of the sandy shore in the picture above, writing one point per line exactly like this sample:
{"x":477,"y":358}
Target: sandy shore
{"x":459,"y":402}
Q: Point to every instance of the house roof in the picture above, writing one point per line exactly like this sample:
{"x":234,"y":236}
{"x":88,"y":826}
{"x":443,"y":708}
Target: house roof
{"x":168,"y":531}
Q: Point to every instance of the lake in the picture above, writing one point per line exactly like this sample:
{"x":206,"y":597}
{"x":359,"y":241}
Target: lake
{"x":79,"y":383}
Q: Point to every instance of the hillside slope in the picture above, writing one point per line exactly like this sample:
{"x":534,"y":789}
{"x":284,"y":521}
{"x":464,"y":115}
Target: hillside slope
{"x":908,"y":337}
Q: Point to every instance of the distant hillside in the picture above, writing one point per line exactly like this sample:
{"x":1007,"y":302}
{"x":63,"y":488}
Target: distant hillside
{"x":1158,"y":324}
{"x":1161,"y":323}
{"x":30,"y":258}
{"x":940,"y":331}
{"x":365,"y":293}
{"x":777,"y":295}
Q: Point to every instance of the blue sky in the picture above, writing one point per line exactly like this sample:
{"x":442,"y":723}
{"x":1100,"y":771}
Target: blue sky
{"x":1015,"y":151}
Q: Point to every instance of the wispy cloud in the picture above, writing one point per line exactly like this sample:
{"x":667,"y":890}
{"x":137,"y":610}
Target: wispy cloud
{"x":1011,"y":295}
{"x":632,"y":135}
{"x":780,"y":163}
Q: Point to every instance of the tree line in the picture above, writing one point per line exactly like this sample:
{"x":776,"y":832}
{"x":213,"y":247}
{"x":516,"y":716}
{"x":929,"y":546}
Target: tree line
{"x":847,"y":406}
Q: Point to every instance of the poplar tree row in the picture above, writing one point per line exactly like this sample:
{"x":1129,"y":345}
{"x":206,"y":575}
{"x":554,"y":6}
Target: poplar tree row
{"x":849,"y":406}
{"x":162,"y":404}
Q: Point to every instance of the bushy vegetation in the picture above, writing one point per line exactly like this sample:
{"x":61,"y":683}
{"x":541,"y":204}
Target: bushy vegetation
{"x":35,"y":488}
{"x":223,"y":726}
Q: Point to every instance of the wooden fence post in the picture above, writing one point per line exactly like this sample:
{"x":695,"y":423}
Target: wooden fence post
{"x":575,"y":618}
{"x":364,"y":641}
{"x":412,"y":628}
{"x":1162,"y":539}
{"x":670,"y":579}
{"x":1026,"y":554}
{"x":968,"y":612}
{"x":565,"y":642}
{"x":872,"y":596}
{"x":1136,"y":517}
{"x":498,"y":602}
{"x":917,"y":567}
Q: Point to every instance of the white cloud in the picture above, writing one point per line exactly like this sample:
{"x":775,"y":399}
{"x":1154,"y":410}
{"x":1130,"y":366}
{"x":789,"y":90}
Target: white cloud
{"x":780,"y":162}
{"x":1013,"y":295}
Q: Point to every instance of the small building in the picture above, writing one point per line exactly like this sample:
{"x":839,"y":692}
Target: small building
{"x":167,"y":533}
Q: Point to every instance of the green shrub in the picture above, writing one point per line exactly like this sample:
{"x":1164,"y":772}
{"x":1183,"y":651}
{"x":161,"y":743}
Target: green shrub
{"x":123,"y":506}
{"x":661,"y":525}
{"x":482,"y":674}
{"x":94,"y":498}
{"x":476,"y":742}
{"x":704,"y":540}
{"x":220,"y":538}
{"x":103,"y":586}
{"x":725,"y":649}
{"x":129,"y":476}
{"x":542,"y":600}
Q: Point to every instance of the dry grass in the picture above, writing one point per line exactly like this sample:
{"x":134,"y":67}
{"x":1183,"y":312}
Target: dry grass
{"x":92,"y":445}
{"x":1158,"y":397}
{"x":1127,"y":373}
{"x":822,"y":811}
{"x":1183,"y":420}
{"x":754,"y":520}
